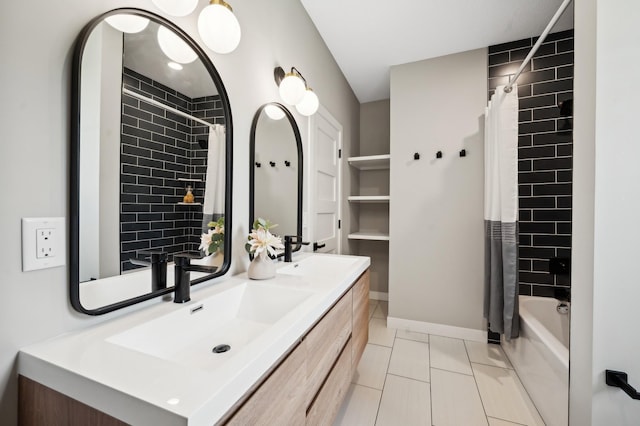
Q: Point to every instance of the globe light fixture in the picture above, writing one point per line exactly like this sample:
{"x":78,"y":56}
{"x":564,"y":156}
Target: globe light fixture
{"x":309,"y":103}
{"x":218,"y":27}
{"x":127,"y":23}
{"x":176,"y":7}
{"x":273,"y":112}
{"x":294,"y":90}
{"x":174,"y":47}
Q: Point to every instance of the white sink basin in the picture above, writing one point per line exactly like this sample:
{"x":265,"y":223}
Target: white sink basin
{"x":318,"y":265}
{"x":234,"y":317}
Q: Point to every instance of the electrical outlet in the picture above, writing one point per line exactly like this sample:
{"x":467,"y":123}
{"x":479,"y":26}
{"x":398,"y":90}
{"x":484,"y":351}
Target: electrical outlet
{"x":43,"y":243}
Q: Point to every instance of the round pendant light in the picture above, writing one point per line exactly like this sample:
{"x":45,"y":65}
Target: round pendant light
{"x":176,"y":7}
{"x":218,"y":27}
{"x":273,"y":112}
{"x":126,"y":23}
{"x":292,"y":88}
{"x":174,"y":47}
{"x":309,"y":103}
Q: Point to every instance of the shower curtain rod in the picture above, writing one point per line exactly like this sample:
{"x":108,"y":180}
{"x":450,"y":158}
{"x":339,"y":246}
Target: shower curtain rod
{"x":535,"y":47}
{"x":164,"y":106}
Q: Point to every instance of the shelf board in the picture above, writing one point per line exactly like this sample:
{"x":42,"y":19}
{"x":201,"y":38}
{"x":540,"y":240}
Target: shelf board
{"x":369,"y":198}
{"x":189,"y":180}
{"x":371,"y":162}
{"x":188,"y":204}
{"x":369,"y":235}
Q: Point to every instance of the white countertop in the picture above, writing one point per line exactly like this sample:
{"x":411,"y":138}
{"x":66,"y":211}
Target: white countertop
{"x":142,"y":389}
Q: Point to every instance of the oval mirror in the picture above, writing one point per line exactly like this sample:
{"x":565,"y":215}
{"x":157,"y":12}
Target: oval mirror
{"x":275,"y":181}
{"x":150,"y":159}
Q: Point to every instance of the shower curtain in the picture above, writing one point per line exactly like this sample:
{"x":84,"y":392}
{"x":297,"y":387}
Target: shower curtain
{"x":214,"y":190}
{"x":501,"y":213}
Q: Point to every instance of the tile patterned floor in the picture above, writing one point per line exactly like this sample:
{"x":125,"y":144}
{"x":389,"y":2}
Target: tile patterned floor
{"x":408,"y":378}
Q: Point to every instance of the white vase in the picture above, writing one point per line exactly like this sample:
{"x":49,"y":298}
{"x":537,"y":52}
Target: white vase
{"x":261,"y":268}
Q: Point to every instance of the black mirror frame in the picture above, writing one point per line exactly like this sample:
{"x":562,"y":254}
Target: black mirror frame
{"x":252,"y":160}
{"x":74,"y":184}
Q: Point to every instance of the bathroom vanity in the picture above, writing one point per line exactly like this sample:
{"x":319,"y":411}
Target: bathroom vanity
{"x":295,"y":342}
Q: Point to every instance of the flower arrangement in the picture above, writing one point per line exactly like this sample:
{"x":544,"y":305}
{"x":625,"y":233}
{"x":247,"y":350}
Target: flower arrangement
{"x":261,"y":241}
{"x":213,"y":240}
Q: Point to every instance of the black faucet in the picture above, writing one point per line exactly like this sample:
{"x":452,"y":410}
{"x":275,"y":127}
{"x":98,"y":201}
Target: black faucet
{"x":183,"y":267}
{"x":158,"y":262}
{"x":289,"y":242}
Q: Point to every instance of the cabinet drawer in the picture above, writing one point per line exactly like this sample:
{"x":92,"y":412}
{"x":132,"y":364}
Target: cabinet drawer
{"x":325,"y":342}
{"x":328,"y":401}
{"x":280,"y":399}
{"x":360,"y":317}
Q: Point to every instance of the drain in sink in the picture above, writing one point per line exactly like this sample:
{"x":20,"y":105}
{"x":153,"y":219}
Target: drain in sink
{"x":220,"y":349}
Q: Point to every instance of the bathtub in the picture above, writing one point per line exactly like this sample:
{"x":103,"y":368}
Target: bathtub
{"x":540,"y":356}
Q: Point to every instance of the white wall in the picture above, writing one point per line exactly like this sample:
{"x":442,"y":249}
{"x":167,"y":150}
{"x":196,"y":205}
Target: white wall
{"x":37,"y":39}
{"x":436,"y":248}
{"x":604,"y":335}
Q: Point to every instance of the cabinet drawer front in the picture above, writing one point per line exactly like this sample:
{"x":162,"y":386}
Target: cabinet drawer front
{"x":280,"y":399}
{"x":360,"y":317}
{"x":325,"y":407}
{"x":325,"y":342}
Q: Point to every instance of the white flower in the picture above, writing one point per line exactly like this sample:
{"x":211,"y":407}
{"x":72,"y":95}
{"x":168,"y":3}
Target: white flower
{"x":262,"y":241}
{"x":205,"y":240}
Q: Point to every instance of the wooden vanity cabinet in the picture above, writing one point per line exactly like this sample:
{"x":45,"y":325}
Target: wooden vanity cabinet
{"x":333,"y":347}
{"x":325,"y":342}
{"x":280,"y":399}
{"x":360,"y":292}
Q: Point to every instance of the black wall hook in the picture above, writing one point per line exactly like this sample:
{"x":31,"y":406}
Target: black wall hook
{"x":273,"y":164}
{"x":416,"y":156}
{"x":258,"y":164}
{"x":463,"y":153}
{"x":439,"y":154}
{"x":287,"y":163}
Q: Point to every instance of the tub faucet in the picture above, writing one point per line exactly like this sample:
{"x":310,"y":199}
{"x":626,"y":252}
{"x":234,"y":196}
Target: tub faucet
{"x":289,"y":242}
{"x":183,"y":267}
{"x":158,"y":262}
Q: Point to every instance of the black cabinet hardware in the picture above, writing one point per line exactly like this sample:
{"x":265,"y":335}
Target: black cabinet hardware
{"x":317,"y":246}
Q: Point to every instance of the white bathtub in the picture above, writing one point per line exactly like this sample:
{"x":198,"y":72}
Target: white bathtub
{"x":540,"y":356}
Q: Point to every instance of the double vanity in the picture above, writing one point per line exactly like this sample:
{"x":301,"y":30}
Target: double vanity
{"x":280,"y":351}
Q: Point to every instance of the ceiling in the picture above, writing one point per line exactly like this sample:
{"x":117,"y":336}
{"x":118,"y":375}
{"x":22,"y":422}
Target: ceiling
{"x":367,"y":37}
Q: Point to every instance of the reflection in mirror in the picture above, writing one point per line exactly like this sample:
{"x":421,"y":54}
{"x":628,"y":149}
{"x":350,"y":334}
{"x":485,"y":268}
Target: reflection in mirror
{"x":276,"y":170}
{"x":150,"y":159}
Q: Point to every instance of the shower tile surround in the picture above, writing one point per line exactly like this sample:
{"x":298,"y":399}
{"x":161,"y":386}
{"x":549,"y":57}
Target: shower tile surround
{"x":157,"y":148}
{"x":545,"y":150}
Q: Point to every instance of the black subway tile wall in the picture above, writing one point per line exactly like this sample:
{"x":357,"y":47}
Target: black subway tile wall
{"x":545,"y":149}
{"x":160,"y":154}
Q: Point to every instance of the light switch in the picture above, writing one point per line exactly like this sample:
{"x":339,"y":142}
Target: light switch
{"x":43,"y":243}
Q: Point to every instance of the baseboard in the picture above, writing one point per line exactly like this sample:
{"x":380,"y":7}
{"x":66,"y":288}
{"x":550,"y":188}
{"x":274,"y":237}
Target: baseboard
{"x":378,"y":295}
{"x":438,"y":329}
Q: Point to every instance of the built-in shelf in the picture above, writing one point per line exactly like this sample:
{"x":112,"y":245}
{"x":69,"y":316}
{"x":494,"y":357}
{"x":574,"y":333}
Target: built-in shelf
{"x":369,"y":235}
{"x":369,"y":198}
{"x":189,"y":204}
{"x":189,"y":180}
{"x":371,"y":162}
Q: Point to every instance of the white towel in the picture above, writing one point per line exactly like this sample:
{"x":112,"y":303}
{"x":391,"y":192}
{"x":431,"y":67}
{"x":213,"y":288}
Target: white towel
{"x":215,"y":184}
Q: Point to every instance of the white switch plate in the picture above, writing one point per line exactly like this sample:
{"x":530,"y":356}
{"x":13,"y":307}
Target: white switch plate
{"x":43,"y":243}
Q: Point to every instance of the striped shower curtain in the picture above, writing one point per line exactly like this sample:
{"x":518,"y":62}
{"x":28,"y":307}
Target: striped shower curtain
{"x":501,"y":213}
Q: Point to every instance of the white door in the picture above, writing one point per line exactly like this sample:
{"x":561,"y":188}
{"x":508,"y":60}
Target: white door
{"x":324,"y":178}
